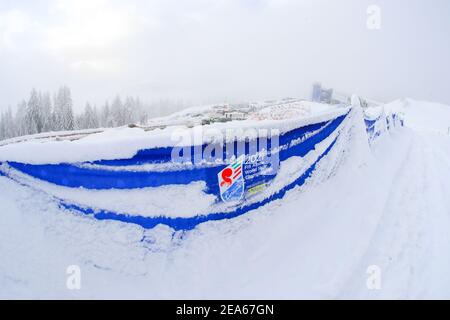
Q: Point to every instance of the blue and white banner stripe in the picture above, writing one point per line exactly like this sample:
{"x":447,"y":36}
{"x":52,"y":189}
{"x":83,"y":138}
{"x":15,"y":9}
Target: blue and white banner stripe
{"x":312,"y":142}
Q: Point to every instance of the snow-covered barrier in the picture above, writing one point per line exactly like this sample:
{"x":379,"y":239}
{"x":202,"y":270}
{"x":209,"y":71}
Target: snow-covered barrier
{"x":378,"y":122}
{"x":150,"y":188}
{"x":133,"y":173}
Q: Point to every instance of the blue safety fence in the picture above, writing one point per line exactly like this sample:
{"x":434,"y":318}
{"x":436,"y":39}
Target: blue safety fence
{"x":371,"y":128}
{"x":164,"y":154}
{"x":191,"y":222}
{"x":297,"y":142}
{"x":374,"y":127}
{"x":119,"y":174}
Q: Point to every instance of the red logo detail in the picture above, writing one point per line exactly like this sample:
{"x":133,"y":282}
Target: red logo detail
{"x":226,"y":177}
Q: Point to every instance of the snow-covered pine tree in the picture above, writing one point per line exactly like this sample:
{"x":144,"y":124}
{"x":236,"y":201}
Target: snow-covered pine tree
{"x":33,"y":118}
{"x":106,"y":119}
{"x":58,"y":112}
{"x":63,"y":110}
{"x":117,"y":112}
{"x":142,"y":114}
{"x":97,"y":117}
{"x":90,"y":117}
{"x":10,"y":125}
{"x":2,"y":126}
{"x":20,"y":122}
{"x":46,"y":112}
{"x":7,"y":125}
{"x":129,"y":108}
{"x":79,"y":121}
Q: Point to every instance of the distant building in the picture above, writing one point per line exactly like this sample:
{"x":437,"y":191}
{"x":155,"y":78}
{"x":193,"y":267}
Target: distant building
{"x":317,"y":92}
{"x":321,"y":94}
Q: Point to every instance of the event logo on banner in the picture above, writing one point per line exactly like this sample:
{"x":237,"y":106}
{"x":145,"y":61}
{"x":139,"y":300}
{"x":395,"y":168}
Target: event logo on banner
{"x":259,"y":170}
{"x":231,"y":181}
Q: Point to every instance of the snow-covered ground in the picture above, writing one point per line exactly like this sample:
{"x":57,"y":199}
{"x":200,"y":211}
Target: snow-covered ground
{"x":386,"y":206}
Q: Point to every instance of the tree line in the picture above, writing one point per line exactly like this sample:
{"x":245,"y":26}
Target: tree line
{"x":43,"y":112}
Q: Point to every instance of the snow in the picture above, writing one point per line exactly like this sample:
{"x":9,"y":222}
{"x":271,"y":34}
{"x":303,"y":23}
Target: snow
{"x":386,"y":205}
{"x":373,"y":113}
{"x":146,"y":202}
{"x":423,"y":115}
{"x":167,"y":201}
{"x":124,"y":142}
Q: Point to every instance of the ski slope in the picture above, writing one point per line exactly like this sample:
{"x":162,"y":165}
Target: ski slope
{"x":387,"y":206}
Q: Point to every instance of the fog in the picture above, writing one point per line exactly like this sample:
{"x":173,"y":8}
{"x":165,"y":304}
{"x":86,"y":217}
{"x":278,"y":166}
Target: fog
{"x":223,"y":50}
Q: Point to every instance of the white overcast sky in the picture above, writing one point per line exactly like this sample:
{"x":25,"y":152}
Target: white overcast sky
{"x":216,"y":50}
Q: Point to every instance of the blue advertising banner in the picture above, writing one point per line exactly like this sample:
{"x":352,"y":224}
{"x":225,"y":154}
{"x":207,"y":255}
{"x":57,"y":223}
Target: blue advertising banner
{"x":237,"y":182}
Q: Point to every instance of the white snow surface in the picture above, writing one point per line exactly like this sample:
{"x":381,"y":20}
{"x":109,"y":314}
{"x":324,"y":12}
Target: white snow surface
{"x":423,"y":115}
{"x":386,"y":206}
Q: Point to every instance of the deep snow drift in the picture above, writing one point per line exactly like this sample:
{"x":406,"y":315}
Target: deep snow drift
{"x":386,"y":206}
